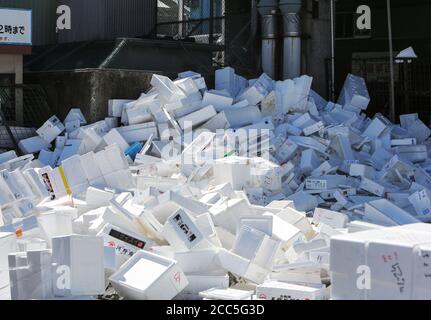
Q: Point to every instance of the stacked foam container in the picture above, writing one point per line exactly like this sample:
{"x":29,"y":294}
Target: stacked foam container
{"x":254,"y":190}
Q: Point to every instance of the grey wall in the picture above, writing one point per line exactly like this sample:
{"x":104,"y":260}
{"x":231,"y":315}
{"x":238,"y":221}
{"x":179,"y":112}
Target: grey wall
{"x":108,"y":19}
{"x":317,"y":45}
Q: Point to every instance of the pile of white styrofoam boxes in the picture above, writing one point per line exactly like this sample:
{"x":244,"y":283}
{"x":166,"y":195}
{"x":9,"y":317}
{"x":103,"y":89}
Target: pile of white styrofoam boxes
{"x":259,"y":189}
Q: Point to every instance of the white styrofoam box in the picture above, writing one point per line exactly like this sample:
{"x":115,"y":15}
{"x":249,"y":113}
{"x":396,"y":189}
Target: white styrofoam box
{"x":71,"y":148}
{"x":291,"y":95}
{"x":183,"y":233}
{"x":97,"y":197}
{"x":203,"y":282}
{"x":284,"y":232}
{"x":287,"y":151}
{"x":372,"y":187}
{"x":413,"y":153}
{"x":8,"y":244}
{"x":187,"y":85}
{"x":168,"y":91}
{"x":303,"y":201}
{"x":30,"y":275}
{"x":421,"y":202}
{"x":36,"y":184}
{"x":253,"y":94}
{"x":325,"y":182}
{"x":92,"y":170}
{"x":189,"y":74}
{"x":268,"y":104}
{"x":91,"y":140}
{"x":234,"y":170}
{"x":333,"y":219}
{"x":358,"y":226}
{"x":238,"y":118}
{"x":422,"y":273}
{"x":225,"y":79}
{"x":170,"y":201}
{"x":309,"y":161}
{"x":348,"y":253}
{"x":227,"y":213}
{"x":252,"y":255}
{"x":125,"y":243}
{"x":186,"y":109}
{"x":359,"y":170}
{"x":7,"y":156}
{"x":51,"y":129}
{"x":197,"y":261}
{"x":275,"y":290}
{"x":45,"y":157}
{"x":392,"y":254}
{"x":87,"y":221}
{"x":111,"y":122}
{"x":355,"y":92}
{"x":80,"y":258}
{"x":72,"y":125}
{"x":392,"y":266}
{"x":139,"y":132}
{"x":147,"y":276}
{"x":110,"y":160}
{"x":17,"y":184}
{"x":33,"y":145}
{"x":139,"y":112}
{"x":115,"y":107}
{"x":75,"y":175}
{"x":375,"y":129}
{"x":343,"y":148}
{"x":226,"y":294}
{"x":312,"y":129}
{"x":197,"y":118}
{"x":76,"y":114}
{"x":114,"y":137}
{"x":219,"y":102}
{"x":299,"y":220}
{"x":217,"y":122}
{"x":403,"y":142}
{"x":200,"y":83}
{"x":55,"y":224}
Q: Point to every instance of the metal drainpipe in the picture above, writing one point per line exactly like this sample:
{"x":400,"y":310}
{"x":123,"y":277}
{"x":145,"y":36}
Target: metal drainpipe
{"x":270,"y":33}
{"x":292,"y":38}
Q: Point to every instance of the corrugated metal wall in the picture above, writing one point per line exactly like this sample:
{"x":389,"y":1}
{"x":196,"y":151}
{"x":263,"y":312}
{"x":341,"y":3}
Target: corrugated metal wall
{"x":108,"y":19}
{"x":44,"y":18}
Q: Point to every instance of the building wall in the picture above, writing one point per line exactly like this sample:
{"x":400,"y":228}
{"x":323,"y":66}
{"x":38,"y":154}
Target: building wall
{"x":12,"y":64}
{"x":108,"y":19}
{"x":410,"y":23}
{"x":91,"y":20}
{"x":316,"y":51}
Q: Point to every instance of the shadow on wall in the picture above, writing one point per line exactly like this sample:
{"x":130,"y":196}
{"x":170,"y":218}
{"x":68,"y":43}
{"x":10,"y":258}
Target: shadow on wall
{"x":89,"y":89}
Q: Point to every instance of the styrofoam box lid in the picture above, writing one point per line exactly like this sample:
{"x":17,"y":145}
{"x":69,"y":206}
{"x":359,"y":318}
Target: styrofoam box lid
{"x":226,"y":294}
{"x":289,"y":286}
{"x":142,"y":270}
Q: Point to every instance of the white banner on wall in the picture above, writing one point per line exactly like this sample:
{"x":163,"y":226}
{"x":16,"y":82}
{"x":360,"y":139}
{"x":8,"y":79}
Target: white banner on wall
{"x":15,"y":27}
